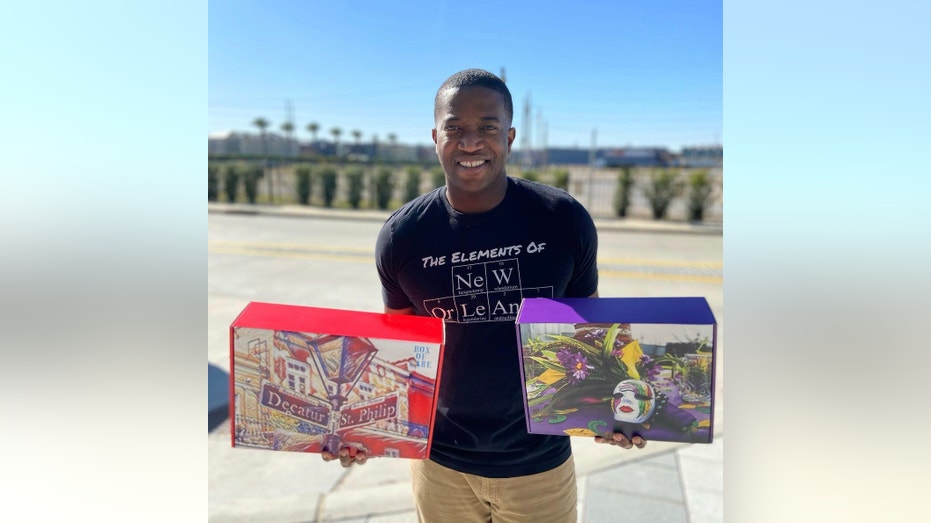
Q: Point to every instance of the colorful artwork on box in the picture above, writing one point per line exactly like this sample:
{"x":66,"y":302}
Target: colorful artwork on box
{"x":587,"y":379}
{"x":307,"y":392}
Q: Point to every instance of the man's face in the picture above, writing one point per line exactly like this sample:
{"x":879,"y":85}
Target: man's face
{"x":473,"y":137}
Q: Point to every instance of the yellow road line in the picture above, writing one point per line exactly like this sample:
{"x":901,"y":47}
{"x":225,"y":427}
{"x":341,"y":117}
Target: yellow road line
{"x":659,"y":276}
{"x":290,"y":246}
{"x":365,"y":255}
{"x":291,"y":254}
{"x":662,"y":263}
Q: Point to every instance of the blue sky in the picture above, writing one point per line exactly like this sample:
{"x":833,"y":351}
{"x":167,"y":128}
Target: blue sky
{"x":635,"y":73}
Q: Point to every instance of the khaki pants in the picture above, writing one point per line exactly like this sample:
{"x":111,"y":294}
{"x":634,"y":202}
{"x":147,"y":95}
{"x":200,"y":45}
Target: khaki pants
{"x":442,"y":495}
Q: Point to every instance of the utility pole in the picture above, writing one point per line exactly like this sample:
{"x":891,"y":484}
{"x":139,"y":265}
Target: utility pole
{"x":541,"y":145}
{"x":289,"y":117}
{"x":591,"y":171}
{"x":525,"y":140}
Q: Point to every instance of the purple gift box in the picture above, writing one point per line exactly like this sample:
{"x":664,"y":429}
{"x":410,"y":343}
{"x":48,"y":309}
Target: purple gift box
{"x":639,"y":366}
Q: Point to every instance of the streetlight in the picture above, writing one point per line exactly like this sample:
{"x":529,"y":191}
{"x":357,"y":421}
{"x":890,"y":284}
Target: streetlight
{"x":340,"y":360}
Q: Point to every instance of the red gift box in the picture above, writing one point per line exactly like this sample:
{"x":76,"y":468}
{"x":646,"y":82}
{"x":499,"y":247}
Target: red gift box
{"x":308,"y":379}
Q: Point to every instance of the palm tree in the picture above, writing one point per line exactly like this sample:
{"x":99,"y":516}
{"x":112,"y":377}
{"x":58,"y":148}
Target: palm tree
{"x":313,"y":127}
{"x":336,"y":131}
{"x":288,"y":128}
{"x":263,"y":124}
{"x":357,"y":135}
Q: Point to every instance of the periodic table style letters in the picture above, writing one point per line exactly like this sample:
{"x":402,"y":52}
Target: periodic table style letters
{"x":482,"y":292}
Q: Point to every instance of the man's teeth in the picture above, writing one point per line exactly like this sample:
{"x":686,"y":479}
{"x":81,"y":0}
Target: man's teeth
{"x":476,"y":163}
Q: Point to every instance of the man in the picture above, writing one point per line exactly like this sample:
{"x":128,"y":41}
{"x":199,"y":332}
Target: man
{"x":468,"y":253}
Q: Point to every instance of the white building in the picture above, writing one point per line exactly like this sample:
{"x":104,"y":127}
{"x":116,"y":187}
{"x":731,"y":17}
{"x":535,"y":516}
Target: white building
{"x":234,"y":142}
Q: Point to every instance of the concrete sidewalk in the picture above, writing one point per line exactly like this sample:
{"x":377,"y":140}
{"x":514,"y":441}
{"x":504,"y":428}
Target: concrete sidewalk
{"x":663,"y":482}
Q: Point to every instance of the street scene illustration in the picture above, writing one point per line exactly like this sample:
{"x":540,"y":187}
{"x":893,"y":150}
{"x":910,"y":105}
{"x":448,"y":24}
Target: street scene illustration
{"x":308,"y":392}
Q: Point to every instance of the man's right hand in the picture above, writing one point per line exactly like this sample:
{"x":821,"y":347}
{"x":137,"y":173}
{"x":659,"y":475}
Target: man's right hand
{"x":347,"y":456}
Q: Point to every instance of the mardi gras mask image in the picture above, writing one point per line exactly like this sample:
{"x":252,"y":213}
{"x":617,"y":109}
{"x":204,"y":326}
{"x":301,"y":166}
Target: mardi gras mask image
{"x":634,"y":401}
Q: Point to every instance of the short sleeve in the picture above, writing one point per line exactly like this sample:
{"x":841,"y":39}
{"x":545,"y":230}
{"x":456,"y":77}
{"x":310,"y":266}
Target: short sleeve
{"x":388,"y":269}
{"x":584,"y":281}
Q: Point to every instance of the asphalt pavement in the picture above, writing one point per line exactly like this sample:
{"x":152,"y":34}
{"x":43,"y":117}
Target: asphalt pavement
{"x":664,"y":482}
{"x":310,"y":211}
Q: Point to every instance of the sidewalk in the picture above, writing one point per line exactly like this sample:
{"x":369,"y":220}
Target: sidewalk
{"x":665,"y":482}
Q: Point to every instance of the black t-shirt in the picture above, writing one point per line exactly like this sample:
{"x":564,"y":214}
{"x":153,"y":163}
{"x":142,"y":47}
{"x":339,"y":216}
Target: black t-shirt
{"x":472,"y":270}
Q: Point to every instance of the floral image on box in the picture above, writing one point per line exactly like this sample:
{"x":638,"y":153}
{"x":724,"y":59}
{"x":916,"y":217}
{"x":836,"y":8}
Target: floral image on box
{"x":587,"y":379}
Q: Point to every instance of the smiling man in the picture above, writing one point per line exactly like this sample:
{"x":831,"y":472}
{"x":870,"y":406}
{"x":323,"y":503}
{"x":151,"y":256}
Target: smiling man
{"x":468,"y":253}
{"x":473,"y":137}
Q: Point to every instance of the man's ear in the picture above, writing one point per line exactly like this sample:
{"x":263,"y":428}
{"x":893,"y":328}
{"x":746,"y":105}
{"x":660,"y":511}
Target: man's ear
{"x":433,"y":133}
{"x":512,"y":132}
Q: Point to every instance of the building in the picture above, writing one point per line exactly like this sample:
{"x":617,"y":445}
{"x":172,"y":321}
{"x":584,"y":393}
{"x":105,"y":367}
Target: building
{"x":234,"y":142}
{"x":634,"y":157}
{"x":566,"y":156}
{"x":709,"y":157}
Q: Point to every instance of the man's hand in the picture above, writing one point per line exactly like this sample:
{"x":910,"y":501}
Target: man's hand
{"x":621,"y":440}
{"x":347,"y":456}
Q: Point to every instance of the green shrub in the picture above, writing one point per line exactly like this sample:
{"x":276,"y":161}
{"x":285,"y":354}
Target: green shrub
{"x":384,"y":186}
{"x":304,"y":184}
{"x":664,"y":187}
{"x":251,"y":178}
{"x":438,"y":176}
{"x":412,"y":183}
{"x":625,"y":181}
{"x":530,"y":175}
{"x":213,"y":182}
{"x":561,"y":179}
{"x":328,"y":176}
{"x":355,"y":176}
{"x":230,"y":182}
{"x":700,"y":189}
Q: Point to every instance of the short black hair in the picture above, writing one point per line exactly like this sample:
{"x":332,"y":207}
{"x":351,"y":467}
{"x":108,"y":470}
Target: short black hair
{"x":475,"y":78}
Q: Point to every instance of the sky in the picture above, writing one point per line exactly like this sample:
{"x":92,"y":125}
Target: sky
{"x":605,"y":73}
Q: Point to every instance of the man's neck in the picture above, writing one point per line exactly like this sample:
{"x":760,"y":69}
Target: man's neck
{"x":474,"y":203}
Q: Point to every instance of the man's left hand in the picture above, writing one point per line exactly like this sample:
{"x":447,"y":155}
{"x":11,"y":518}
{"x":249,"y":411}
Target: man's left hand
{"x":621,"y":440}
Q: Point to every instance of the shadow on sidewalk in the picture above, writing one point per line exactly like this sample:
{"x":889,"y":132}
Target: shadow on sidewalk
{"x":218,"y":395}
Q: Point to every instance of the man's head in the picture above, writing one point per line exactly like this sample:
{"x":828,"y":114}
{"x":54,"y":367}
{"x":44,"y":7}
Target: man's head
{"x":473,"y":136}
{"x":475,"y":78}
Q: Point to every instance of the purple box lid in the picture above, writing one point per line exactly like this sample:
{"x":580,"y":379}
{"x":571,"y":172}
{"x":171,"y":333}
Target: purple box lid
{"x":684,"y":310}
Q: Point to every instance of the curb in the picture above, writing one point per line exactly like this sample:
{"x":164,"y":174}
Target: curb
{"x":301,"y":211}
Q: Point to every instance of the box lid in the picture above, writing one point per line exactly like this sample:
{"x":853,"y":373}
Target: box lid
{"x":685,"y":310}
{"x":301,"y":318}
